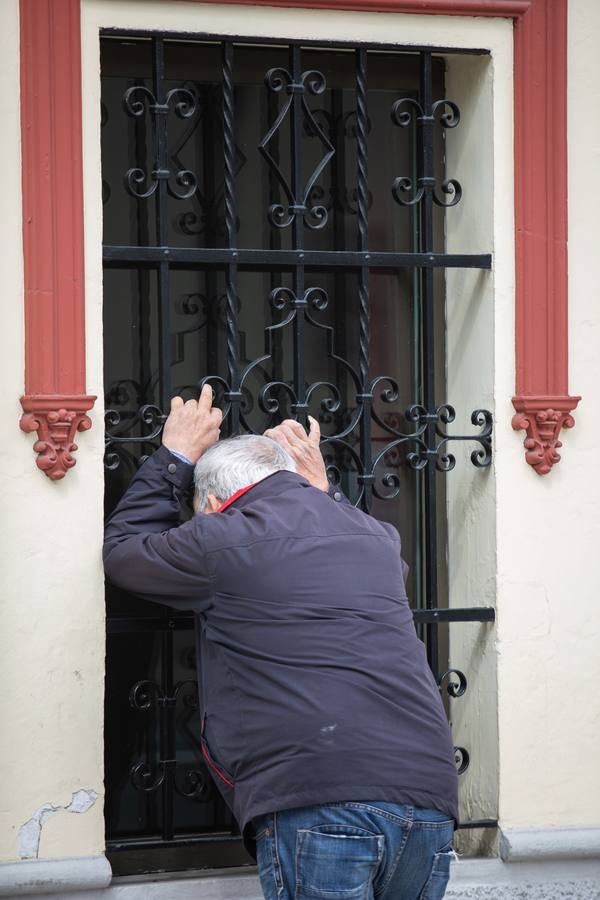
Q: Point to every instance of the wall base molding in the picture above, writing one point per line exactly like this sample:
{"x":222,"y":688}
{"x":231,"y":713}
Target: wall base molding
{"x":55,"y":877}
{"x":471,"y":879}
{"x":530,"y":844}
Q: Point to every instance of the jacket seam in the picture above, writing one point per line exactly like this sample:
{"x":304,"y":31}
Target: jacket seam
{"x":311,"y":537}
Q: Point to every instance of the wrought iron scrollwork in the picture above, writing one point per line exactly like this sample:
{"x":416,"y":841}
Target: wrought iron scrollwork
{"x":147,"y":776}
{"x":462,"y":759}
{"x":121,"y":428}
{"x":341,"y":127}
{"x":405,"y":192}
{"x":298,"y":196}
{"x":183,"y":103}
{"x":444,"y":415}
{"x":456,"y":686}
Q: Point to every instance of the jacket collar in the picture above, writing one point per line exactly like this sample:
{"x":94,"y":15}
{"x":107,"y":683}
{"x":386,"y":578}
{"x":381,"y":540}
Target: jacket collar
{"x":271,"y":486}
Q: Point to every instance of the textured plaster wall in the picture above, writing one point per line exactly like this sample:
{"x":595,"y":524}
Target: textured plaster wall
{"x":480,"y":154}
{"x":548,"y":528}
{"x":542,"y":567}
{"x":51,"y":610}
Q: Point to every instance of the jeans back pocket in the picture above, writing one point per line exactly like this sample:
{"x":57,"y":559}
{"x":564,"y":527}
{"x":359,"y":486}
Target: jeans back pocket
{"x":336,"y":861}
{"x":436,"y":884}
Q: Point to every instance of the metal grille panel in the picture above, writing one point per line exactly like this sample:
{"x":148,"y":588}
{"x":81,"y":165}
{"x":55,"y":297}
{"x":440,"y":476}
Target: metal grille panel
{"x":273,"y":226}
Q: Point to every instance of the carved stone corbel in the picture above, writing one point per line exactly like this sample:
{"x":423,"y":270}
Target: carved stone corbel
{"x":543,"y":418}
{"x":56,"y":418}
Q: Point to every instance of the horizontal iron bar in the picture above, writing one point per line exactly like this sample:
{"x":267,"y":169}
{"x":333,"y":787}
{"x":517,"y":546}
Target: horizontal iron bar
{"x":463,"y":614}
{"x":479,"y":823}
{"x":213,"y":38}
{"x":124,"y":624}
{"x":285,"y":258}
{"x":183,"y":841}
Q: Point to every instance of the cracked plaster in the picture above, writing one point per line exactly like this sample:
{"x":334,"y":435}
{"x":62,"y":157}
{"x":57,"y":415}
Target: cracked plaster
{"x":31,"y":832}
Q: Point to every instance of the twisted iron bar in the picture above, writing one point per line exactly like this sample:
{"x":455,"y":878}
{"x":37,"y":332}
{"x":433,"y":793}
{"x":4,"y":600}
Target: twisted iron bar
{"x":362,"y":220}
{"x":234,"y":395}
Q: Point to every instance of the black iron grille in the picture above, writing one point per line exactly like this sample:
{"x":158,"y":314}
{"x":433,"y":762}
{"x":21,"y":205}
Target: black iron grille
{"x":274,"y":225}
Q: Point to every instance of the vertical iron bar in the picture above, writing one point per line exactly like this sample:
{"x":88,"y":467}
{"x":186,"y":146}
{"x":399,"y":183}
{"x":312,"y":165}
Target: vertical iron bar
{"x":233,"y":350}
{"x":164,"y":337}
{"x":161,"y":161}
{"x":299,"y":408}
{"x":274,"y":277}
{"x":167,"y":733}
{"x":341,"y":314}
{"x":431,"y":591}
{"x":362,"y":176}
{"x":141,"y":276}
{"x":211,"y":276}
{"x":417,"y":373}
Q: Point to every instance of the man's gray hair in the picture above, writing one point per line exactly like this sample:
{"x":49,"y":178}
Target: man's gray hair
{"x":234,"y":463}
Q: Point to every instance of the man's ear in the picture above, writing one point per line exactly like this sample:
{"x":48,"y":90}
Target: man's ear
{"x":213,"y":504}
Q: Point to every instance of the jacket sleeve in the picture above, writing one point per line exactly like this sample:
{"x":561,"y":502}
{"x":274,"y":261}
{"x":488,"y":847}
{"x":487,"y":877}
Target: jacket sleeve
{"x":147,"y":551}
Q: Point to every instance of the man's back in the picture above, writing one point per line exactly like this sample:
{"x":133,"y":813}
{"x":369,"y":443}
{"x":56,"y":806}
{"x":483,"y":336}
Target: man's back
{"x":314,"y":686}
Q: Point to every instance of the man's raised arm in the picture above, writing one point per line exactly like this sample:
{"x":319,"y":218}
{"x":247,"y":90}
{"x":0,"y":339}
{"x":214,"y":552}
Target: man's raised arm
{"x":146,"y":551}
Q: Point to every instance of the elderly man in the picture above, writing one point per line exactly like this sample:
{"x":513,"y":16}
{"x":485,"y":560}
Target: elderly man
{"x":321,"y":723}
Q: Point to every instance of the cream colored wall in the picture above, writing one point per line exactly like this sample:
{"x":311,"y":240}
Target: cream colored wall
{"x":51,"y":614}
{"x":549,"y":619}
{"x":548,"y":527}
{"x":540,"y":566}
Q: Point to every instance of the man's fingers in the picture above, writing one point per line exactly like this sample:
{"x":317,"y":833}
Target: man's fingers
{"x":278,"y":435}
{"x":205,"y":399}
{"x":295,"y":427}
{"x":176,"y":403}
{"x":294,"y":436}
{"x":314,"y":434}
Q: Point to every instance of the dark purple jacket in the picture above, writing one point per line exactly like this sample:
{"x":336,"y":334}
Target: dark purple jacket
{"x":314,"y":687}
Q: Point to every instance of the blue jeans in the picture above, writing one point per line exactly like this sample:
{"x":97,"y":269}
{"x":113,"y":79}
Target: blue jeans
{"x":354,"y":851}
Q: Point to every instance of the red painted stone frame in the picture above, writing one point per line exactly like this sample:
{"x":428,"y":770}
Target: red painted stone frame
{"x":56,"y":402}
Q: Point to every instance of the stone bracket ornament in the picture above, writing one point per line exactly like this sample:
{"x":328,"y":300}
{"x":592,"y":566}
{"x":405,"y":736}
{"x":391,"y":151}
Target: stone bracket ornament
{"x":543,"y":418}
{"x":56,"y":418}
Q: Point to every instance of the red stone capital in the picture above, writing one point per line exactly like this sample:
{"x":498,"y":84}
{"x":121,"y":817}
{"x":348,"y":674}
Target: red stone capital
{"x":543,"y":419}
{"x":56,"y":419}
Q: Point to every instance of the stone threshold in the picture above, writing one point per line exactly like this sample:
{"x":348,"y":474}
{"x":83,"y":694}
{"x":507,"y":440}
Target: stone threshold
{"x":471,"y":879}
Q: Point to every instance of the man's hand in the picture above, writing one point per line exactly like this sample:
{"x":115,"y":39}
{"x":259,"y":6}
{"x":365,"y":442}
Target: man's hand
{"x":192,"y":427}
{"x":303,"y":448}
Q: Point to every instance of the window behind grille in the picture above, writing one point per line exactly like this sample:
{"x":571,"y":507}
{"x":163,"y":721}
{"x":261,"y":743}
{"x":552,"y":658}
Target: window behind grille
{"x":273,"y":223}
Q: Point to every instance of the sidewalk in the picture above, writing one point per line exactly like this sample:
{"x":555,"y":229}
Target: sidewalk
{"x":472,"y":879}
